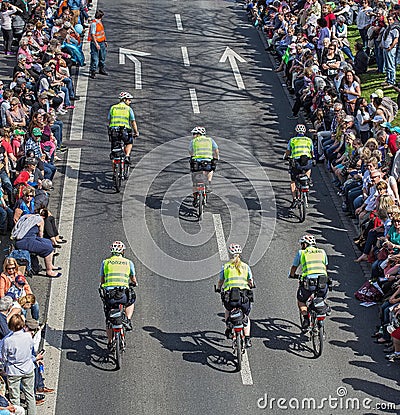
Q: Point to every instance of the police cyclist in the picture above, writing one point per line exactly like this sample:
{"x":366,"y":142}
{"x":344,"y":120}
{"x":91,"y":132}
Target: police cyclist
{"x":117,"y":279}
{"x":236,"y":274}
{"x":314,"y":262}
{"x":300,"y":151}
{"x":121,"y":124}
{"x":204,"y":155}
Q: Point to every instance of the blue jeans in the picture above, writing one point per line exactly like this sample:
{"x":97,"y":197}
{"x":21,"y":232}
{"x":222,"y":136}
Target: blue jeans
{"x":97,"y":57}
{"x":34,"y":311}
{"x":347,"y":51}
{"x":6,"y":219}
{"x":389,"y":65}
{"x":6,"y":182}
{"x":49,"y":170}
{"x":70,"y":86}
{"x":56,"y":129}
{"x":378,"y":56}
{"x":67,"y":102}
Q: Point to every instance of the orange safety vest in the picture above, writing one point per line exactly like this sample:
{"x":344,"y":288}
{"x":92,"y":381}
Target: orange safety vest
{"x":100,"y":35}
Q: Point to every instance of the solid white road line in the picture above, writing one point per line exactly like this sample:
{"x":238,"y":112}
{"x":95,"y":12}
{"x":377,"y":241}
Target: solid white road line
{"x":247,"y":379}
{"x":178,"y":19}
{"x":59,"y":287}
{"x":219,"y":233}
{"x":185,"y":56}
{"x":193,"y":98}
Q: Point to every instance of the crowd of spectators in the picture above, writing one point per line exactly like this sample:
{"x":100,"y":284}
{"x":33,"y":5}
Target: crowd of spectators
{"x":43,"y":40}
{"x":355,"y":136}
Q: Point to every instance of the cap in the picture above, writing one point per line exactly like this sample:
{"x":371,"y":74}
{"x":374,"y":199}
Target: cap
{"x":30,"y":161}
{"x":327,"y":98}
{"x":43,"y":95}
{"x":67,"y":25}
{"x":47,"y":69}
{"x":31,"y":324}
{"x":41,"y":111}
{"x":37,"y":132}
{"x":21,"y":80}
{"x":396,"y":130}
{"x":21,"y":57}
{"x":386,"y":125}
{"x":377,"y":94}
{"x":19,"y":132}
{"x":20,"y":279}
{"x":50,"y":93}
{"x":377,"y":118}
{"x":348,"y":118}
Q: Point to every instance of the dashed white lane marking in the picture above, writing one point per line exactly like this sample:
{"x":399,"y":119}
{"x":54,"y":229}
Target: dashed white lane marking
{"x":245,"y":373}
{"x":247,"y":379}
{"x":178,"y":19}
{"x":185,"y":56}
{"x":195,"y":103}
{"x":219,"y":233}
{"x":59,"y":287}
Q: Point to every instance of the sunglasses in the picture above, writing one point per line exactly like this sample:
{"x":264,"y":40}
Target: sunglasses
{"x":29,"y":196}
{"x":10,"y":268}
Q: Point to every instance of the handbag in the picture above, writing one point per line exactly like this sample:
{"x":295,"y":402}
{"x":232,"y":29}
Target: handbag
{"x":368,"y":292}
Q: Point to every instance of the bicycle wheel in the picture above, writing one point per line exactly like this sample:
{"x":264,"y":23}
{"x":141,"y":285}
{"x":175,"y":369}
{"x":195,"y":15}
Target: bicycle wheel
{"x":126,"y":170}
{"x":200,"y":201}
{"x":318,"y":338}
{"x":118,"y":351}
{"x":239,"y":342}
{"x":302,"y":208}
{"x":118,"y":177}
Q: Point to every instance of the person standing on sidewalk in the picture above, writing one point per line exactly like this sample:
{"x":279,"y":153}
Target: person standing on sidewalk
{"x":98,"y":45}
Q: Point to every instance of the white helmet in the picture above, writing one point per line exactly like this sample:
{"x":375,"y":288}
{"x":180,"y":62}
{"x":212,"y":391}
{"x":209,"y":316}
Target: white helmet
{"x":234,"y":249}
{"x":300,"y":129}
{"x":117,"y":247}
{"x":125,"y":95}
{"x":307,"y":239}
{"x":199,"y":130}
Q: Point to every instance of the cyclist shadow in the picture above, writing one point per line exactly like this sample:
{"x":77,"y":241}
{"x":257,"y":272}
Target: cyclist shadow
{"x":187,"y":212}
{"x":203,"y":347}
{"x":101,"y":182}
{"x":281,"y":334}
{"x":88,"y":346}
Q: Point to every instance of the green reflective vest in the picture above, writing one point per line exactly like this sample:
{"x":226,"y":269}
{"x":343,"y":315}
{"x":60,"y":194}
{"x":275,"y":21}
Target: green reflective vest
{"x":232,"y":278}
{"x":119,"y":115}
{"x":300,"y":146}
{"x":117,"y":271}
{"x":312,"y":261}
{"x":202,"y":147}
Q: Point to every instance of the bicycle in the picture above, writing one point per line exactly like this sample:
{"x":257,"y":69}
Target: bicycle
{"x":236,"y":322}
{"x":120,"y":166}
{"x":302,"y":183}
{"x":200,"y":194}
{"x":115,"y":321}
{"x":316,"y":309}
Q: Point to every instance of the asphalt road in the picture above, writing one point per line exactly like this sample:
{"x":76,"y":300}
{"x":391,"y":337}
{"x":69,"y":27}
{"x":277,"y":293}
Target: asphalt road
{"x":178,"y":361}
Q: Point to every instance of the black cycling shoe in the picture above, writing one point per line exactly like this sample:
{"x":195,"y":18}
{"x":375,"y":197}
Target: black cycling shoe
{"x":110,"y":346}
{"x":305,"y":324}
{"x":293,"y":204}
{"x":128,"y":325}
{"x":195,"y":202}
{"x":128,"y":159}
{"x":247,"y":342}
{"x":228,"y":333}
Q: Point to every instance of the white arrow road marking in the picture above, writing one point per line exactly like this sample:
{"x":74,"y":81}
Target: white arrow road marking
{"x":233,"y":56}
{"x":219,"y":234}
{"x":193,"y":98}
{"x":178,"y":22}
{"x":245,"y":373}
{"x":130,"y":54}
{"x":185,"y":56}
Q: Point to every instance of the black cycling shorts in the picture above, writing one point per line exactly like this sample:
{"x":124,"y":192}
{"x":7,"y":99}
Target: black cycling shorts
{"x":120,"y":134}
{"x":245,"y":307}
{"x":303,"y":295}
{"x":298,"y":169}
